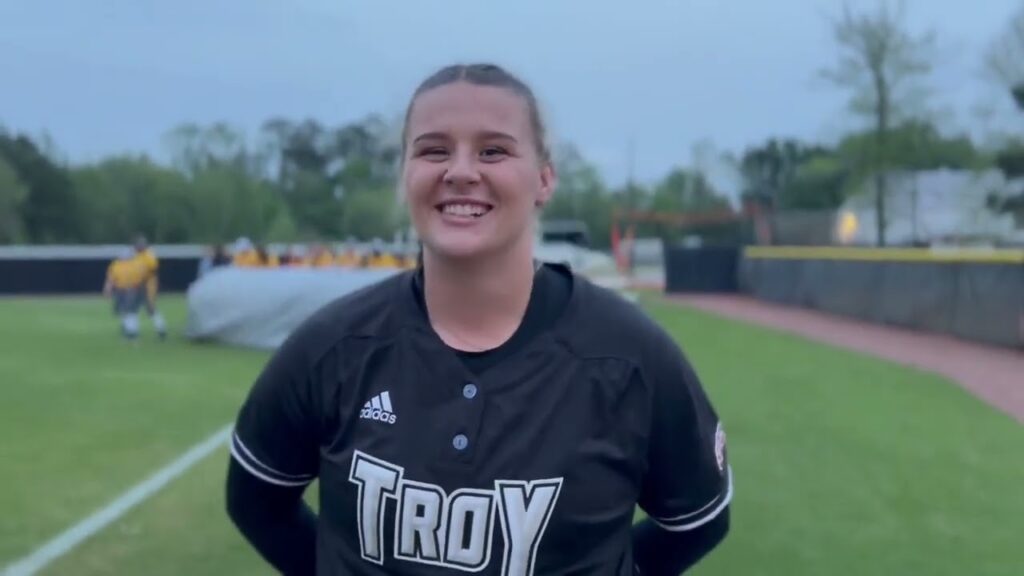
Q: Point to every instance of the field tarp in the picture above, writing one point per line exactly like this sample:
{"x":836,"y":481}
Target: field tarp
{"x":259,"y":308}
{"x":978,"y":301}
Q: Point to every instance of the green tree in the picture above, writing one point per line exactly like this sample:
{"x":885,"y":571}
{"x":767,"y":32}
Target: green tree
{"x":770,"y":168}
{"x":1005,"y":60}
{"x":316,"y":205}
{"x":230,"y":203}
{"x":324,"y":172}
{"x":1005,"y":57}
{"x":195,"y":148}
{"x":303,"y":148}
{"x":684,"y":191}
{"x":125,"y":195}
{"x":577,"y":180}
{"x":370,"y":214}
{"x":49,"y":210}
{"x":913,"y":145}
{"x":282,"y":227}
{"x":879,"y":60}
{"x":1010,"y":160}
{"x":580,"y":195}
{"x":13,"y":194}
{"x":820,"y":183}
{"x":373,"y":144}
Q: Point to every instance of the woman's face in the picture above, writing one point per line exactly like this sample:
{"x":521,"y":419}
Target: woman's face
{"x":472,"y":175}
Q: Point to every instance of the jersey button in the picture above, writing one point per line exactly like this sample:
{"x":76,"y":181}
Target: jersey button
{"x":460,"y":442}
{"x":469,"y":391}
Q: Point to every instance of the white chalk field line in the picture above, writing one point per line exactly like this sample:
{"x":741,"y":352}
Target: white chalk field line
{"x":75,"y":535}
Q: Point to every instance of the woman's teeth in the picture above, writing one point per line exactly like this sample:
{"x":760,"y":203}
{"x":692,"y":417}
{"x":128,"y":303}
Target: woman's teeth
{"x":475,"y":210}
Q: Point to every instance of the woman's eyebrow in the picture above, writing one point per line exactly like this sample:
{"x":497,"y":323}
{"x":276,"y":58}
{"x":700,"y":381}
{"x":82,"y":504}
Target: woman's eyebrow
{"x":430,"y":136}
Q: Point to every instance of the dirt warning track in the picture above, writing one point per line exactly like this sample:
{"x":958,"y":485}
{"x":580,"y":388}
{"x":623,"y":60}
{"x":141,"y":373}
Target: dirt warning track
{"x":995,"y":375}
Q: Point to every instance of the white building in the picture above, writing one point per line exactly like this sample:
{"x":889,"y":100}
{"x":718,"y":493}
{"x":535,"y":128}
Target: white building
{"x":933,"y":207}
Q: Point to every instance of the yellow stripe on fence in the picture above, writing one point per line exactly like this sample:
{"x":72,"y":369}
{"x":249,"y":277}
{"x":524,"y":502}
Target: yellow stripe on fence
{"x":980,"y":255}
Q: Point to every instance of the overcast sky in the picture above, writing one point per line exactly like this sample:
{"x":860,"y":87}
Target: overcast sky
{"x":110,"y":76}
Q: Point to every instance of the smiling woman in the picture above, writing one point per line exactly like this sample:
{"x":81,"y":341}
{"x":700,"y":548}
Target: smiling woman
{"x":476,"y":166}
{"x":484,"y":412}
{"x":475,"y":171}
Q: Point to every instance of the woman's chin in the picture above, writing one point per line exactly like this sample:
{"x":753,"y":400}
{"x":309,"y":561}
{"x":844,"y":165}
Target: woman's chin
{"x":458,"y":246}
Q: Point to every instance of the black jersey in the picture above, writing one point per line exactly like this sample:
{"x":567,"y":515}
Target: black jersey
{"x":552,"y":288}
{"x":526,"y":462}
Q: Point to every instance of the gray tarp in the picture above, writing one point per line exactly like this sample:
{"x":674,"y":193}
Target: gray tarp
{"x":259,"y":308}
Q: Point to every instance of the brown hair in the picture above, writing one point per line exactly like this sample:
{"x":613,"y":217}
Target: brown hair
{"x":484,"y":75}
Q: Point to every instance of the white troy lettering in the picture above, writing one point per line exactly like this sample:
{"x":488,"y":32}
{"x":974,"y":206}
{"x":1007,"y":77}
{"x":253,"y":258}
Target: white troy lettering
{"x":419,"y":526}
{"x":376,"y":480}
{"x":451,"y":530}
{"x":469,"y":528}
{"x":525,"y":510}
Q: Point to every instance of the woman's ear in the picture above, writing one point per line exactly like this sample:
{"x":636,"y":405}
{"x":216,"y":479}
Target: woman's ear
{"x":548,"y":182}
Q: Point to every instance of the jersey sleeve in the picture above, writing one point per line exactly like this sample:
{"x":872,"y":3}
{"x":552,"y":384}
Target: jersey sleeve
{"x":688,"y":480}
{"x":152,"y":264}
{"x":276,"y":436}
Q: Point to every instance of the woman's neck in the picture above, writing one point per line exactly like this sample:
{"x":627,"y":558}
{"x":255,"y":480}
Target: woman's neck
{"x":477,"y":305}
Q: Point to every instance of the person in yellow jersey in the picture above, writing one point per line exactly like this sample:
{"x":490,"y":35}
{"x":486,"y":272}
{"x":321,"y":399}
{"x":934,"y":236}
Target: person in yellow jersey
{"x":410,"y":261}
{"x":318,"y":256}
{"x":244,"y":254}
{"x":148,"y":260}
{"x":266,"y":258}
{"x":347,"y":257}
{"x":125,"y":285}
{"x":380,"y":258}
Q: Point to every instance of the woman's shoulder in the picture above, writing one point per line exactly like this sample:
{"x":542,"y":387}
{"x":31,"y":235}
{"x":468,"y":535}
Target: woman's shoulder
{"x":604,"y":321}
{"x":364,"y":308}
{"x":365,"y":312}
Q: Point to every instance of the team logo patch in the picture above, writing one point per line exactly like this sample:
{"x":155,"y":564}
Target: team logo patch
{"x":720,"y":447}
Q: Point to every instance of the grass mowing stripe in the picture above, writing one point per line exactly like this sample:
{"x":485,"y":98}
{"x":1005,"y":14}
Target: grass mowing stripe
{"x":84,"y":414}
{"x":73,"y":536}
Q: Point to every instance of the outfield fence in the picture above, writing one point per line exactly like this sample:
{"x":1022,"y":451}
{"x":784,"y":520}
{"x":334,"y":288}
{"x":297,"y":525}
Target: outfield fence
{"x":973,"y":294}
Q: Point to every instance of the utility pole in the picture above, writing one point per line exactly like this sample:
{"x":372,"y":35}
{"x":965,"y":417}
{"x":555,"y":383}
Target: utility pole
{"x":630,"y":174}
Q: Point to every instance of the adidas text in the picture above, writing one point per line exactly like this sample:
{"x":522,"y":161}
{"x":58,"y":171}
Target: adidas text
{"x":377,"y":414}
{"x":379,"y":408}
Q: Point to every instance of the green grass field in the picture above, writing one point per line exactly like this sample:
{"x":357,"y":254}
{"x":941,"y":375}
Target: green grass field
{"x":843,"y":464}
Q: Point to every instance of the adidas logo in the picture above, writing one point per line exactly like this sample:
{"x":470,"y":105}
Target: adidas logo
{"x":379,"y":408}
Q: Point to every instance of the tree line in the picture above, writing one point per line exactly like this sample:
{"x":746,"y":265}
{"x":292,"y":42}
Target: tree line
{"x":300,"y":180}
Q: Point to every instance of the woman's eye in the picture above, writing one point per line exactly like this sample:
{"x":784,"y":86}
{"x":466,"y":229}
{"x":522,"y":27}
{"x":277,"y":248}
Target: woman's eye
{"x":433,"y":152}
{"x":493,"y":153}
